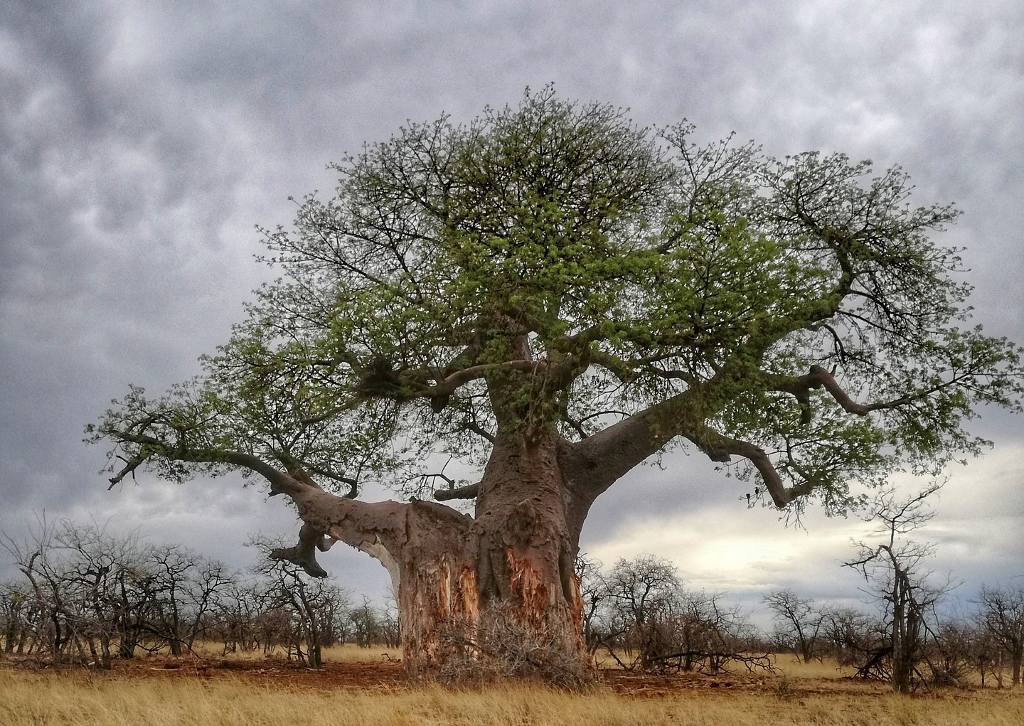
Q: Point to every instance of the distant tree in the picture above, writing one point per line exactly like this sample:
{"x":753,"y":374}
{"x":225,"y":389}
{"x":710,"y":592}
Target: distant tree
{"x":948,"y":652}
{"x":643,"y":613}
{"x":390,"y":624}
{"x":986,"y":654}
{"x":798,"y":622}
{"x":90,"y":589}
{"x":707,"y":634}
{"x":237,"y":614}
{"x":313,"y":604}
{"x":172,"y":565}
{"x":853,"y":637}
{"x":644,"y":592}
{"x":895,"y":569}
{"x":594,"y":595}
{"x":34,"y":557}
{"x":185,"y":586}
{"x":365,"y":624}
{"x":98,"y":567}
{"x":1002,"y":613}
{"x":551,"y":295}
{"x":15,"y":614}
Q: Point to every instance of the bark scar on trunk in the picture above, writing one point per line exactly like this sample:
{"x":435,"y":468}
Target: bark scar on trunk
{"x":526,"y":584}
{"x":523,"y":523}
{"x":468,"y":595}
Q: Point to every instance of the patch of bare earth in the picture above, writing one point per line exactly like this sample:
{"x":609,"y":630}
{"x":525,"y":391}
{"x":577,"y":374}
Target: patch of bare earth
{"x":386,"y":674}
{"x":367,"y":675}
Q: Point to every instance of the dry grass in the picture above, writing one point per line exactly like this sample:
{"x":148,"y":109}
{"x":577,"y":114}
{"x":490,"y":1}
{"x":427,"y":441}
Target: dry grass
{"x":791,"y":667}
{"x":811,"y":695}
{"x":347,"y":653}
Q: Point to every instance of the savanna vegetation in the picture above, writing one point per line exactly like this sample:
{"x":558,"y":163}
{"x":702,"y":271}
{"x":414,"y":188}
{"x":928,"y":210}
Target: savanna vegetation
{"x":797,"y":693}
{"x":89,"y":597}
{"x":513,"y":314}
{"x":189,"y":642}
{"x":93,"y":599}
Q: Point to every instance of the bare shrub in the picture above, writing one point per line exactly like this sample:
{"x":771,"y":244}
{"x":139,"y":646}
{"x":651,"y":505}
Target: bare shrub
{"x":500,"y":647}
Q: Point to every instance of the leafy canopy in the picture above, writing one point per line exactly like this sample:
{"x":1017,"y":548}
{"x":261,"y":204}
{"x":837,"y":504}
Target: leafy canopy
{"x":554,"y":268}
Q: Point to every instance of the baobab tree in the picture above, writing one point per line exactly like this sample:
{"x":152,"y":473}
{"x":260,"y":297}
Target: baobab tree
{"x":550,"y":295}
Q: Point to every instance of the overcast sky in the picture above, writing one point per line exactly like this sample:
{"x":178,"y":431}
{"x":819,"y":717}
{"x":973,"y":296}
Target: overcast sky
{"x":140,"y":142}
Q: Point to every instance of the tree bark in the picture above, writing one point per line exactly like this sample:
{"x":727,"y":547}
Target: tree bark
{"x":479,"y":594}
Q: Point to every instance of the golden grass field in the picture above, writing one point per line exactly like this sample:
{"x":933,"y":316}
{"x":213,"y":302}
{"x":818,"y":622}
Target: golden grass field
{"x":155,"y":691}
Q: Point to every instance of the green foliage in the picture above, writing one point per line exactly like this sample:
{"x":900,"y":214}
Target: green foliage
{"x":552,"y":267}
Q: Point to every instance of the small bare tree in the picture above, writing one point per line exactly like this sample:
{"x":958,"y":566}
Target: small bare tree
{"x":799,"y":623}
{"x":185,"y":588}
{"x":35,"y":560}
{"x":852,"y":636}
{"x":641,"y":609}
{"x":95,"y":564}
{"x":707,"y":634}
{"x":1002,"y":614}
{"x":15,"y":613}
{"x":895,"y":569}
{"x":235,"y":615}
{"x":950,"y":651}
{"x":594,"y":594}
{"x":644,"y":591}
{"x":313,"y":603}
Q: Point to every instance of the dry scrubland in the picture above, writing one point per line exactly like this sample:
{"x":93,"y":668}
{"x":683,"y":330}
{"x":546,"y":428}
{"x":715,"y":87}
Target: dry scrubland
{"x":220,"y":697}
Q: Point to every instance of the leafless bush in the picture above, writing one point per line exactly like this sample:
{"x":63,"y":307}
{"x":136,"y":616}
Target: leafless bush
{"x":851,"y":636}
{"x":641,"y":614}
{"x":500,"y":647}
{"x":799,"y":623}
{"x":948,"y":652}
{"x":16,"y":616}
{"x":313,"y":605}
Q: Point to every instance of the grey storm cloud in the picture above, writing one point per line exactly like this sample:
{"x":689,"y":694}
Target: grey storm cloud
{"x":140,"y":142}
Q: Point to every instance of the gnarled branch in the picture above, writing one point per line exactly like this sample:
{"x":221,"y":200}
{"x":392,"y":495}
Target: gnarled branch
{"x":467,"y":492}
{"x":721,"y":448}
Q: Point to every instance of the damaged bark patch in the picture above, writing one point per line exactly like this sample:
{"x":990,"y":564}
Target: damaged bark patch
{"x":528,"y":587}
{"x":469,"y":597}
{"x":523,"y":523}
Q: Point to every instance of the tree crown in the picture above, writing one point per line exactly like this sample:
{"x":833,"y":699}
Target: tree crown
{"x":552,"y":269}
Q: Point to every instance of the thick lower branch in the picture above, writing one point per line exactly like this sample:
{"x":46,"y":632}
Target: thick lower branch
{"x":721,"y":448}
{"x":369,"y":526}
{"x":609,"y":454}
{"x":304,"y":553}
{"x":326,"y":517}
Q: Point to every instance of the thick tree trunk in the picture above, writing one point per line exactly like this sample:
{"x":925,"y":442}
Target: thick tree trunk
{"x":526,"y":537}
{"x":500,"y":597}
{"x":493,"y":595}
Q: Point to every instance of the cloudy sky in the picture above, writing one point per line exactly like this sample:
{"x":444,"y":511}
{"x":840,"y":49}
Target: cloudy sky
{"x":140,"y":142}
